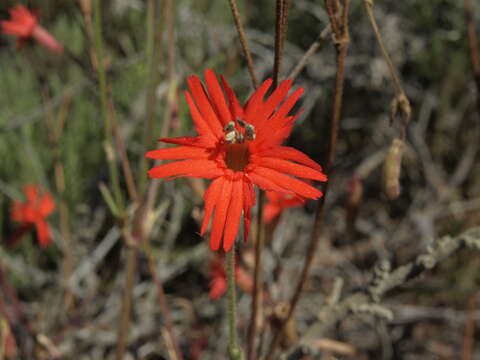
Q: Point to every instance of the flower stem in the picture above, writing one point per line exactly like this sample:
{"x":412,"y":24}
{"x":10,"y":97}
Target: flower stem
{"x":102,"y":80}
{"x":341,"y":36}
{"x":154,"y":53}
{"x":233,"y":350}
{"x":124,"y":323}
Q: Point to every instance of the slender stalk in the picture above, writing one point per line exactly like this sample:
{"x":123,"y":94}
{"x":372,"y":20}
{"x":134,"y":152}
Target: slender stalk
{"x":469,"y":332}
{"x":256,"y":312}
{"x":120,"y":148}
{"x":233,"y":350}
{"x":309,"y":53}
{"x":243,"y":41}
{"x":132,"y":260}
{"x":162,"y":301}
{"x":152,"y":189}
{"x":277,"y":61}
{"x":55,"y":126}
{"x":341,"y":46}
{"x":472,"y":44}
{"x":154,"y":54}
{"x":102,"y":79}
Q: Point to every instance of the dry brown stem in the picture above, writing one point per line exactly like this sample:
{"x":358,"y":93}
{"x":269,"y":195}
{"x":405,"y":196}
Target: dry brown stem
{"x":339,"y":26}
{"x":243,"y":41}
{"x":472,"y":44}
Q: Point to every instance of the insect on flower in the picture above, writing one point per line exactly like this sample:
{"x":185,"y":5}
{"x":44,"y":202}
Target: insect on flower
{"x":238,"y":147}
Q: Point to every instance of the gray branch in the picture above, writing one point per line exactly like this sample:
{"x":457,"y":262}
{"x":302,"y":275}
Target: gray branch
{"x":385,"y":280}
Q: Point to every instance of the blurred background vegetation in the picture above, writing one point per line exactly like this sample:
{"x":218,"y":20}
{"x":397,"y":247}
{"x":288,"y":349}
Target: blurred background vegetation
{"x":50,"y":113}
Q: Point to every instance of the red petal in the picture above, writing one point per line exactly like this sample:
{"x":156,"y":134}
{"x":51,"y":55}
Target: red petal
{"x":265,"y":184}
{"x":204,"y":104}
{"x":255,"y":103}
{"x":194,"y":168}
{"x":276,"y":133}
{"x":218,"y":286}
{"x":180,"y":152}
{"x":270,"y":212}
{"x":279,"y":118}
{"x":299,"y":187}
{"x":234,"y":214}
{"x":46,"y":39}
{"x":235,"y":107}
{"x":290,"y":168}
{"x":43,"y":233}
{"x":202,"y":126}
{"x":220,"y":215}
{"x":289,"y":153}
{"x":210,"y":199}
{"x":285,"y":108}
{"x":248,"y":202}
{"x":47,"y":205}
{"x":31,"y":193}
{"x":217,"y":97}
{"x":276,"y":98}
{"x":189,"y":141}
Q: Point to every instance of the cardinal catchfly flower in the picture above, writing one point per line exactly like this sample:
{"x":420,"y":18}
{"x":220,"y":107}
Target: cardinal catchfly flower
{"x":277,"y":203}
{"x":33,"y":213}
{"x":24,"y":25}
{"x":238,"y":147}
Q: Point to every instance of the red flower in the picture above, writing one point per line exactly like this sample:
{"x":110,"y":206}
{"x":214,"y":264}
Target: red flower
{"x":277,"y":202}
{"x":218,"y":283}
{"x":33,"y":213}
{"x":24,"y":25}
{"x":238,"y":147}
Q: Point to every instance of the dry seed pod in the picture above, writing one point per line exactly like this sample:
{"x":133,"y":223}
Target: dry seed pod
{"x":400,"y":106}
{"x":391,"y":169}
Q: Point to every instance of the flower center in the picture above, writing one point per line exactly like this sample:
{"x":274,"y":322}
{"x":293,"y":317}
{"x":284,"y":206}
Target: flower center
{"x":237,"y":156}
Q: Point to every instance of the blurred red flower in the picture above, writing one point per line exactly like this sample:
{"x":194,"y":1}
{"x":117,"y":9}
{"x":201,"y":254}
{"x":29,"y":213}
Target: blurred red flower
{"x":24,"y":25}
{"x":33,"y":212}
{"x":218,"y":282}
{"x":238,"y":147}
{"x":277,"y":202}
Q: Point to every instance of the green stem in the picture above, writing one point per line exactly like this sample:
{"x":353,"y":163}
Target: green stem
{"x":233,"y":350}
{"x":102,"y":80}
{"x":154,"y":47}
{"x":124,"y":322}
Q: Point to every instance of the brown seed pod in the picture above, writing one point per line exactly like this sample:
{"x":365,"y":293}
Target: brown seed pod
{"x":392,"y":168}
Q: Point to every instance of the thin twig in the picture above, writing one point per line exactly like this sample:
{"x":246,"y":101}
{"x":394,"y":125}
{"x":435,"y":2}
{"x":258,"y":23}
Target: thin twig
{"x":472,"y":44}
{"x":256,"y":312}
{"x":400,"y":103}
{"x":154,"y":52}
{"x":243,"y":41}
{"x":56,"y":126}
{"x":469,"y":335}
{"x":233,"y":350}
{"x":99,"y":52}
{"x":309,"y":53}
{"x":341,"y":38}
{"x":277,"y":61}
{"x":121,"y":149}
{"x":132,"y":260}
{"x":152,"y":190}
